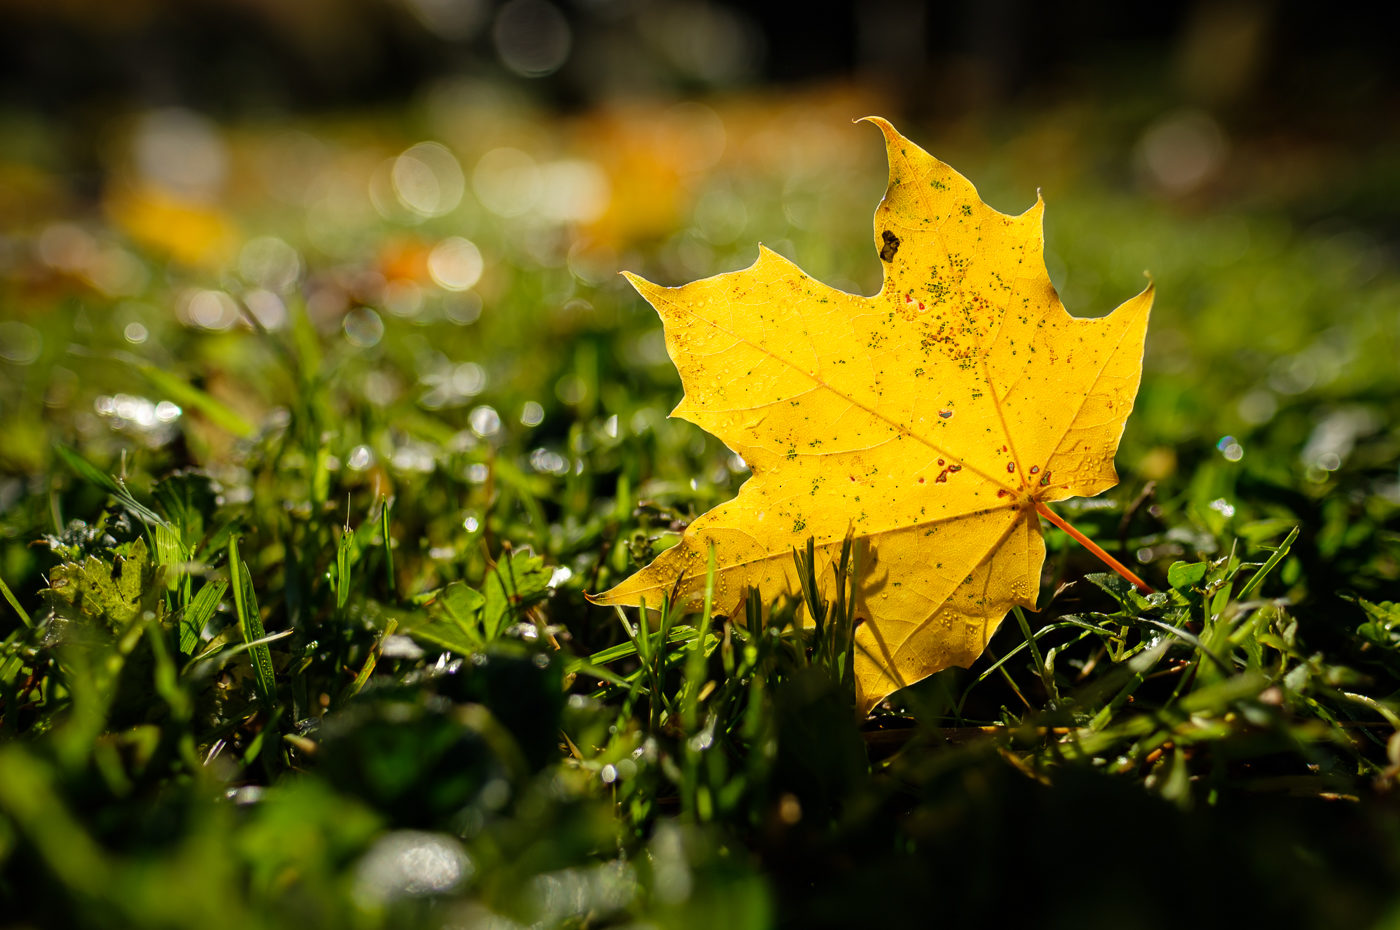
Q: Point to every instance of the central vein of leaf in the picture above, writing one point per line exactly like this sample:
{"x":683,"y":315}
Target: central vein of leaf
{"x":929,"y":210}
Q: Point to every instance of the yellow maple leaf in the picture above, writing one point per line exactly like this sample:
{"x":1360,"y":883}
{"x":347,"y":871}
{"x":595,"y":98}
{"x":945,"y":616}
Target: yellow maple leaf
{"x":931,"y":420}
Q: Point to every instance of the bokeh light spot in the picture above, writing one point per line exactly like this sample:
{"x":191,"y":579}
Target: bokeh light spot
{"x":427,"y":179}
{"x":411,"y":863}
{"x":507,"y":182}
{"x":455,"y":264}
{"x":363,"y":327}
{"x":532,"y":37}
{"x":20,"y":343}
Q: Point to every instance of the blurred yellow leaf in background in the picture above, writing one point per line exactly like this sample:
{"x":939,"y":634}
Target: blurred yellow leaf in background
{"x":193,"y":234}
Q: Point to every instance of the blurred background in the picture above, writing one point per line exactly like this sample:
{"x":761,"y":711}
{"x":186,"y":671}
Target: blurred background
{"x":288,"y":266}
{"x":1250,"y":101}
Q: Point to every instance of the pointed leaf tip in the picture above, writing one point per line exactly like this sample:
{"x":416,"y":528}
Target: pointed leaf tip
{"x":641,"y":285}
{"x":880,"y":123}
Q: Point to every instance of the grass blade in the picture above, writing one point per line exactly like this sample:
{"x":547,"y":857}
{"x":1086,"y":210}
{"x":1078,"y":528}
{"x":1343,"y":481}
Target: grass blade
{"x":14,"y":602}
{"x":695,"y":658}
{"x":1047,"y":680}
{"x":388,"y":544}
{"x":199,"y":613}
{"x":371,"y":660}
{"x":250,"y":624}
{"x":96,"y":476}
{"x":343,"y":553}
{"x":1278,"y":556}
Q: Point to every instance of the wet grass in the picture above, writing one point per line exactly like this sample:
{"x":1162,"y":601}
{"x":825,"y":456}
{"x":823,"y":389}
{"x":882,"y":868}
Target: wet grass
{"x":294,"y":545}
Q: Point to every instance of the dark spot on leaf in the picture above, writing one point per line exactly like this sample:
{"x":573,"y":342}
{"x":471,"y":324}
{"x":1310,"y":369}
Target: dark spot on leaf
{"x":890,"y":247}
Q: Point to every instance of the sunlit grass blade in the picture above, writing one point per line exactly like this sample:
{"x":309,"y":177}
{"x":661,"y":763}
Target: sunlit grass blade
{"x":675,"y":635}
{"x":170,"y":553}
{"x":199,"y":612}
{"x":343,"y":552}
{"x":250,"y":624}
{"x":14,"y":603}
{"x":385,"y":504}
{"x":96,"y":476}
{"x":805,"y":561}
{"x":371,"y":660}
{"x":1278,"y":555}
{"x":1046,"y":679}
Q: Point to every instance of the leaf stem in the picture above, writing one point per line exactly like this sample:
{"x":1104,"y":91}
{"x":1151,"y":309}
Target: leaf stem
{"x":1093,"y":547}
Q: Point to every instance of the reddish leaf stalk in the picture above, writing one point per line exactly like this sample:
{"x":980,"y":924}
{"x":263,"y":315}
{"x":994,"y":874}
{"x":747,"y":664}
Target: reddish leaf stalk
{"x":1093,"y":547}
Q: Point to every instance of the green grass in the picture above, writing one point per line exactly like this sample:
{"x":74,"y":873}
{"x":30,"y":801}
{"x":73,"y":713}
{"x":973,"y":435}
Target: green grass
{"x":313,"y":648}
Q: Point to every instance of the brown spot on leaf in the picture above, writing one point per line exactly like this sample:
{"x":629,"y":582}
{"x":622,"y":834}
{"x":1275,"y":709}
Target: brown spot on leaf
{"x":890,"y":247}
